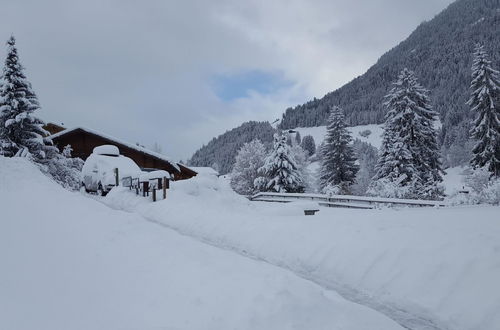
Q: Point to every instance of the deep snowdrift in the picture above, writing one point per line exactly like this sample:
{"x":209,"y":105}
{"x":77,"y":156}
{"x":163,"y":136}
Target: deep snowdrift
{"x":442,"y":265}
{"x":69,"y":262}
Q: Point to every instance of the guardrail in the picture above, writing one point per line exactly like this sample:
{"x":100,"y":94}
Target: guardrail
{"x":349,"y":201}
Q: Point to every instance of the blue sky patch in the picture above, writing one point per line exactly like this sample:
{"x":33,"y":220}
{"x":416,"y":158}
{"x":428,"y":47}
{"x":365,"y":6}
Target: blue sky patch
{"x":231,"y":87}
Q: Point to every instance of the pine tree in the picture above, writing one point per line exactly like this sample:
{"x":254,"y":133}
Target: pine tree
{"x":298,"y":139}
{"x":485,"y":101}
{"x":367,"y":157}
{"x":338,"y":167}
{"x":409,"y":156}
{"x":249,"y":159}
{"x":280,"y":172}
{"x":308,"y":145}
{"x":21,"y":133}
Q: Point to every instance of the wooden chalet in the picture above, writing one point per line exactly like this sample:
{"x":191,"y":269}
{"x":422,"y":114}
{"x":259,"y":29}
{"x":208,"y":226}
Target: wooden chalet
{"x":83,"y":141}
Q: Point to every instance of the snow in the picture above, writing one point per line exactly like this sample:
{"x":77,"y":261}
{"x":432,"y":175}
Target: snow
{"x":70,"y":262}
{"x":146,"y":176}
{"x":106,"y":150}
{"x":453,"y":180}
{"x":319,"y":133}
{"x":204,"y":170}
{"x":427,"y":268}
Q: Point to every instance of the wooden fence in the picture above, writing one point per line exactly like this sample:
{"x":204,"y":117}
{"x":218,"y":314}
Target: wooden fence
{"x":148,"y":185}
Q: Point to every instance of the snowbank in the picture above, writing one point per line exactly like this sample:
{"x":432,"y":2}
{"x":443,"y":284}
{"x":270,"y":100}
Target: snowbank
{"x":433,"y":268}
{"x":70,"y":262}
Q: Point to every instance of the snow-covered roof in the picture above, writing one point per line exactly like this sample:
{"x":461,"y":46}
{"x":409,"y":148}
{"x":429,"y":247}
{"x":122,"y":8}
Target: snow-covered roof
{"x":118,"y":141}
{"x":204,"y":170}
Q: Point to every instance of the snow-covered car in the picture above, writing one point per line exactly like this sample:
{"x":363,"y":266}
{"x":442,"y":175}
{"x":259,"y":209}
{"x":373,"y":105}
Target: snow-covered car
{"x":98,"y":172}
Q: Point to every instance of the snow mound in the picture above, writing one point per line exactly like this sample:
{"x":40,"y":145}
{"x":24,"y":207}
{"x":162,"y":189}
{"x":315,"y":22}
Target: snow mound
{"x":106,"y":149}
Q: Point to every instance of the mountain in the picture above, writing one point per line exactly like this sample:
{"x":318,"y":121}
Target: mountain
{"x":440,"y":53}
{"x":219,"y":153}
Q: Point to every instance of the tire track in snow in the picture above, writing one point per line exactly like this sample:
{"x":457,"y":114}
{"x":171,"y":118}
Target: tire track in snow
{"x":408,"y":319}
{"x":404,"y":317}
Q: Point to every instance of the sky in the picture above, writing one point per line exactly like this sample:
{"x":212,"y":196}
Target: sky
{"x":179,"y":73}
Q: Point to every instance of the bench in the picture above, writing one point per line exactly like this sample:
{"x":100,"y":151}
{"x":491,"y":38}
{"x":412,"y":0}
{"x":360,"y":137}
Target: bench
{"x":310,"y":211}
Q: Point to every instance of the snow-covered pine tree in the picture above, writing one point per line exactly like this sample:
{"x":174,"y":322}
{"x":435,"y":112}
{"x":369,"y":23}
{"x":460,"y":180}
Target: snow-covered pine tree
{"x":21,"y":133}
{"x":367,"y":157}
{"x":298,"y":139}
{"x":302,"y":162}
{"x":249,"y":159}
{"x":308,"y":145}
{"x":280,"y":172}
{"x":338,"y":164}
{"x":485,"y":101}
{"x":409,"y":156}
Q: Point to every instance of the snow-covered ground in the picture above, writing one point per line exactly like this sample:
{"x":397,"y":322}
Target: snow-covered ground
{"x":70,"y":262}
{"x":453,"y":180}
{"x":426,"y":268}
{"x":319,"y":132}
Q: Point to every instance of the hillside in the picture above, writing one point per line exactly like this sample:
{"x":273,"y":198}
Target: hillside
{"x":439,"y":51}
{"x":219,"y":153}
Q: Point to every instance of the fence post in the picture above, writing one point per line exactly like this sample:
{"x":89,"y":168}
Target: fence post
{"x":117,"y":181}
{"x":154,"y":194}
{"x":164,"y":187}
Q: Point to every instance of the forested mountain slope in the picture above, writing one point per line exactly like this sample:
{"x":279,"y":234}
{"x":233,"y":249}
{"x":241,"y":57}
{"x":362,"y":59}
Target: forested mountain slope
{"x":219,"y":153}
{"x":440,"y":53}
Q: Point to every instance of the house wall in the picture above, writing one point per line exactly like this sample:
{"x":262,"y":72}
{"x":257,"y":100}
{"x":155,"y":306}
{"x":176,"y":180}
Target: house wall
{"x":83,"y":143}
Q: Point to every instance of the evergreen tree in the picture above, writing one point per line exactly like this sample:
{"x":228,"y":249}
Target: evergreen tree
{"x":280,"y":172}
{"x":409,"y":156}
{"x":338,"y":167}
{"x":485,"y":101}
{"x":298,"y":138}
{"x":367,"y":157}
{"x":21,"y":133}
{"x":309,"y":145}
{"x":249,"y":159}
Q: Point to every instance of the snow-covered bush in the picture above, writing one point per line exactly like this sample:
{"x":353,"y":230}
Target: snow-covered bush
{"x":391,"y":189}
{"x":331,"y":190}
{"x":308,"y":145}
{"x":62,"y":168}
{"x":365,"y":133}
{"x":484,"y":189}
{"x":478,"y":179}
{"x":249,"y":159}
